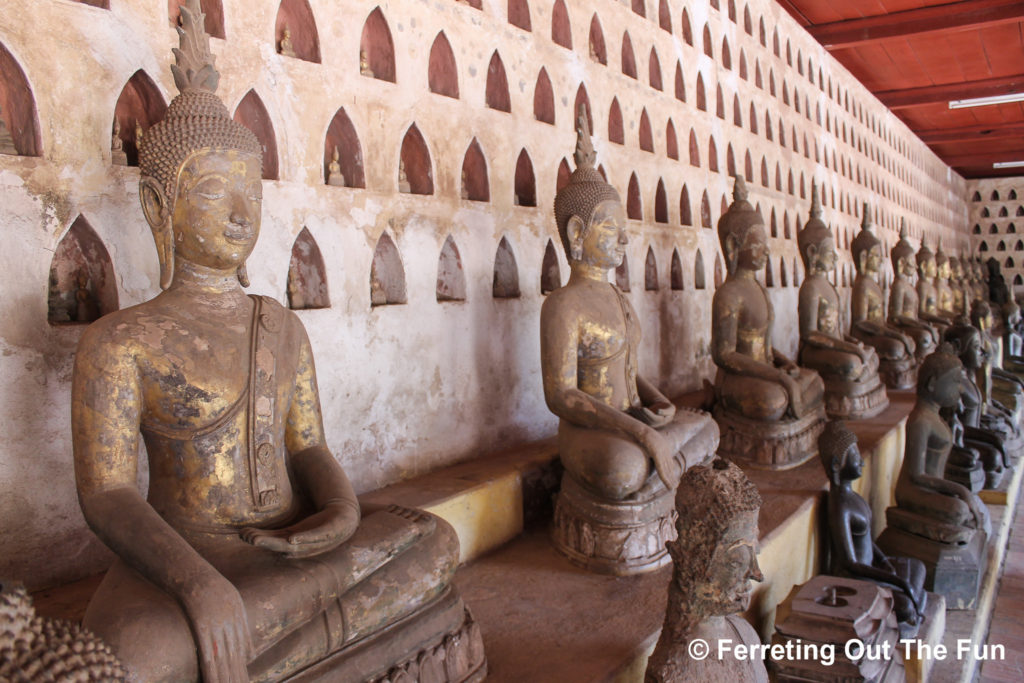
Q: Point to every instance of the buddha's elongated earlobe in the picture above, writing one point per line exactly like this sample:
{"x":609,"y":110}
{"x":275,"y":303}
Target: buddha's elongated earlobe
{"x":154,"y":208}
{"x":243,"y":275}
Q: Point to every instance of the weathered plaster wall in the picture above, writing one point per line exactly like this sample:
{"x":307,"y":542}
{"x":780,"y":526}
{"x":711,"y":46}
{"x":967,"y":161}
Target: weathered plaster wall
{"x":408,"y":388}
{"x":997,"y":225}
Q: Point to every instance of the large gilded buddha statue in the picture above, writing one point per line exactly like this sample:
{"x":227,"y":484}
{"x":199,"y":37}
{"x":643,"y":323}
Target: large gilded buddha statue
{"x":624,"y":445}
{"x":848,"y":367}
{"x":868,"y":323}
{"x":770,"y":410}
{"x":904,"y":306}
{"x":250,"y":559}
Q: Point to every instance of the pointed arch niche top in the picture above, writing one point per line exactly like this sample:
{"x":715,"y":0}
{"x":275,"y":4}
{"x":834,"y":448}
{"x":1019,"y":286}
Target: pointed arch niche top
{"x":376,"y":48}
{"x":342,"y":138}
{"x":307,"y":276}
{"x":253,"y":115}
{"x":81,"y":286}
{"x":18,"y":108}
{"x":139,"y":106}
{"x":302,"y":41}
{"x":213,"y":9}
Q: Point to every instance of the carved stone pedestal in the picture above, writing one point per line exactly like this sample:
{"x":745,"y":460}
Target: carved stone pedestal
{"x":823,"y":615}
{"x":854,"y":400}
{"x":768,"y":445}
{"x":953,"y":569}
{"x":898,"y":374}
{"x":615,"y":537}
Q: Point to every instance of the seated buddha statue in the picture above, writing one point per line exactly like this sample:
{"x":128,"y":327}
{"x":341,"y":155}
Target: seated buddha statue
{"x":770,"y":410}
{"x":903,"y":300}
{"x":945,"y":297}
{"x":250,"y":559}
{"x":714,"y":562}
{"x":854,"y":552}
{"x":980,"y":287}
{"x":624,"y":445}
{"x":998,"y":385}
{"x":927,"y":293}
{"x":867,"y":317}
{"x":848,"y":367}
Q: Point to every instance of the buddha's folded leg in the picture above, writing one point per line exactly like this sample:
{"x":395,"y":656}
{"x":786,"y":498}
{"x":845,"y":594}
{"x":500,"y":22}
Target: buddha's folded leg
{"x":604,"y":462}
{"x":889,"y":348}
{"x":694,"y":434}
{"x":938,"y":506}
{"x":754,"y":398}
{"x":834,"y":363}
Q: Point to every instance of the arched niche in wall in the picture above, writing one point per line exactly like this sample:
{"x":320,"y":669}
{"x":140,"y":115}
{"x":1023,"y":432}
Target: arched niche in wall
{"x":687,"y":29}
{"x":302,"y":41}
{"x":769,"y":278}
{"x":253,"y":115}
{"x":993,"y":229}
{"x":598,"y":52}
{"x":1003,"y":213}
{"x":726,"y":56}
{"x":451,"y":280}
{"x":442,"y":73}
{"x":680,"y":84}
{"x":582,"y":100}
{"x":685,"y":214}
{"x":730,"y":161}
{"x":525,"y":181}
{"x":707,"y":45}
{"x":694,"y":150}
{"x":341,"y":137}
{"x":719,"y":103}
{"x":1018,"y":280}
{"x":699,"y":280}
{"x":550,"y":273}
{"x":660,"y":203}
{"x":497,"y":95}
{"x":519,"y":14}
{"x":544,"y":98}
{"x":765,"y":179}
{"x":415,"y":174}
{"x":307,"y":276}
{"x":564,"y":173}
{"x":976,"y":230}
{"x":1020,"y":210}
{"x":475,"y":4}
{"x":774,"y":224}
{"x":376,"y":48}
{"x":475,"y":185}
{"x":646,"y":136}
{"x":651,"y":271}
{"x":702,"y":101}
{"x":213,"y":9}
{"x":753,"y":118}
{"x":737,"y":112}
{"x":18,"y":114}
{"x":705,"y":211}
{"x":561,"y":28}
{"x":387,"y":275}
{"x":102,"y":4}
{"x":615,"y":129}
{"x":139,"y":106}
{"x":748,"y":167}
{"x":712,"y":154}
{"x":664,"y":18}
{"x":81,"y":286}
{"x":628,"y":58}
{"x":796,"y":273}
{"x":654,"y":70}
{"x":639,"y":8}
{"x":505,"y":284}
{"x":634,"y":206}
{"x":783,"y":279}
{"x":671,"y":144}
{"x":675,"y":274}
{"x":622,"y":274}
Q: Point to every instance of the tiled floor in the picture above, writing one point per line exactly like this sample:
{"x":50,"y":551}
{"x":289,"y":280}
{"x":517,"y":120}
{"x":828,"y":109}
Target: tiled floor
{"x":1007,"y":627}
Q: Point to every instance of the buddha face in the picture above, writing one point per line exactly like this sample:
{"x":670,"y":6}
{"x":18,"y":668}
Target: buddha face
{"x":822,"y":256}
{"x":942,"y":269}
{"x":733,"y":567}
{"x":872,"y":259}
{"x":906,"y":266}
{"x":973,"y":356}
{"x":853,"y":465}
{"x":215,"y":217}
{"x":753,"y":251}
{"x":944,"y":388}
{"x":927,"y":268}
{"x":603,"y":242}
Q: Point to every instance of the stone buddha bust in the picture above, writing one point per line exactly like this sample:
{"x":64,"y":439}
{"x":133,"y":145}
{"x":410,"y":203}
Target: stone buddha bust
{"x":770,"y":410}
{"x":927,"y":291}
{"x":867,"y":319}
{"x":904,"y":306}
{"x":250,"y":558}
{"x":714,"y":562}
{"x":848,"y":367}
{"x":854,"y":552}
{"x":624,"y":445}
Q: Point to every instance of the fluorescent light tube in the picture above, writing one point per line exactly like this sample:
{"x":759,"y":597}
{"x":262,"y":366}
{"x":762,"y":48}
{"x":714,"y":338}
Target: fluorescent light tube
{"x":984,"y":101}
{"x":1008,"y":164}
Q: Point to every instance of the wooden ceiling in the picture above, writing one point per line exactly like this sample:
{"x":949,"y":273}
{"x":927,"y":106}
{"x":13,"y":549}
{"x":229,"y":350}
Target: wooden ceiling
{"x":917,"y":55}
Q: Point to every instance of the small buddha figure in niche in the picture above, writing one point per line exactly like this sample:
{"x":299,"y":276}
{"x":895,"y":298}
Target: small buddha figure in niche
{"x":927,"y":293}
{"x":364,"y":63}
{"x":903,"y":300}
{"x":403,"y":179}
{"x":334,"y":174}
{"x":86,"y":309}
{"x":250,"y":558}
{"x":848,"y":367}
{"x":868,"y":324}
{"x":286,"y":47}
{"x":769,"y":409}
{"x":117,"y":154}
{"x":945,"y":301}
{"x":56,"y":300}
{"x":854,"y":552}
{"x":6,"y":140}
{"x":714,"y":562}
{"x":624,"y":445}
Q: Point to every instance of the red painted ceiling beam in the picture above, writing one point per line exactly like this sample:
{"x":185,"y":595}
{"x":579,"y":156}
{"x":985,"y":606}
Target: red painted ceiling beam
{"x":984,"y":159}
{"x":971,"y":134}
{"x":931,"y":94}
{"x":953,"y":16}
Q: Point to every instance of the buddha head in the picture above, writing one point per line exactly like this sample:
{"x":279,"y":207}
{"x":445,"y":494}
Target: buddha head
{"x":902,"y":254}
{"x":741,"y":233}
{"x":201,"y":188}
{"x":981,"y":315}
{"x":715,"y":555}
{"x":942,"y":267}
{"x":817,"y":247}
{"x":867,"y":249}
{"x":965,"y":341}
{"x":588,"y":211}
{"x":939,"y":377}
{"x":925,"y":262}
{"x":839,"y":453}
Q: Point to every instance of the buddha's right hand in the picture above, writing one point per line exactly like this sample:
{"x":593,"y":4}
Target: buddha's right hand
{"x":221,"y":631}
{"x":796,"y":402}
{"x":666,"y":464}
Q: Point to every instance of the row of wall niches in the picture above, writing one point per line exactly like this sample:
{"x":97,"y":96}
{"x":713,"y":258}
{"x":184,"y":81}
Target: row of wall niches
{"x":82,"y":279}
{"x":141,"y":104}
